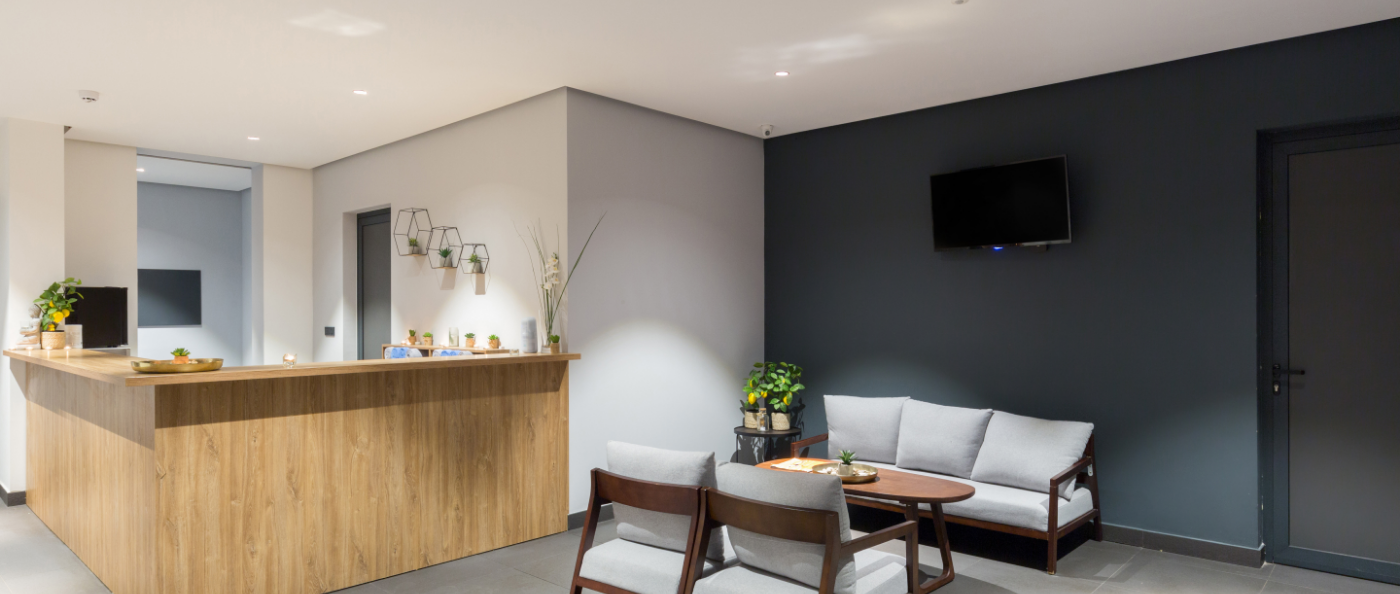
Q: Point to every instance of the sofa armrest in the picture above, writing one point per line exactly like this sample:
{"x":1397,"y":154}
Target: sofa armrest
{"x":802,"y":444}
{"x":1085,"y":463}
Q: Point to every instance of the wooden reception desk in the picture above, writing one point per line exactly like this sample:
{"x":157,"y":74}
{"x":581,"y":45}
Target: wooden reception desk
{"x":309,"y":479}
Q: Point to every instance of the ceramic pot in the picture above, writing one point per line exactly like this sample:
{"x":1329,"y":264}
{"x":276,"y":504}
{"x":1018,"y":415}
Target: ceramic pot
{"x":844,"y":470}
{"x":181,"y":359}
{"x":53,"y":340}
{"x":495,"y":344}
{"x":471,"y":343}
{"x":554,"y":348}
{"x":427,"y":341}
{"x":781,"y":422}
{"x":750,"y":419}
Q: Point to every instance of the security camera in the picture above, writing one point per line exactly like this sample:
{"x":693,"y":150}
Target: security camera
{"x":88,"y":96}
{"x":766,"y":130}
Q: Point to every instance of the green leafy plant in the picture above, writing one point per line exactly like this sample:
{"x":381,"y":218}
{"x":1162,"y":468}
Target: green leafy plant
{"x":847,"y":456}
{"x":412,"y":242}
{"x":56,"y":303}
{"x":749,"y":403}
{"x":550,"y":289}
{"x":777,"y":383}
{"x":470,"y":335}
{"x":445,"y":253}
{"x":427,"y":335}
{"x":493,"y":337}
{"x":473,"y":258}
{"x":180,"y":352}
{"x":554,"y":339}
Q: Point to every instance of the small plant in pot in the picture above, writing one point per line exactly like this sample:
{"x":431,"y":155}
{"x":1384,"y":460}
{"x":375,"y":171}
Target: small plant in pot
{"x":470,"y":339}
{"x":844,"y":467}
{"x":494,"y":341}
{"x":55,"y":305}
{"x":749,"y":406}
{"x":554,"y":343}
{"x":413,"y":247}
{"x":412,"y":337}
{"x":779,"y":383}
{"x":181,"y":355}
{"x":446,"y":255}
{"x":427,"y":339}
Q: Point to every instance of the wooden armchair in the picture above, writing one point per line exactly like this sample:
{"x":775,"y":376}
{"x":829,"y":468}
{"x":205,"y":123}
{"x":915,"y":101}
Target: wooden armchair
{"x":657,"y":497}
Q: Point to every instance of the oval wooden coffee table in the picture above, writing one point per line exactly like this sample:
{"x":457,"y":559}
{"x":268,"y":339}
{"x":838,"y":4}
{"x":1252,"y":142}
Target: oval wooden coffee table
{"x":909,"y":490}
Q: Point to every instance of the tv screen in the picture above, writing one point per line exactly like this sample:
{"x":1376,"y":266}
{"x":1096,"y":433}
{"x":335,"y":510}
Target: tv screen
{"x":1024,"y":203}
{"x":167,"y":298}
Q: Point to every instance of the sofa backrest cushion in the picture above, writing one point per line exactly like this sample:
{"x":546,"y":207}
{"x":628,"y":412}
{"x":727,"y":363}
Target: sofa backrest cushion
{"x":1026,"y":453}
{"x":667,"y":531}
{"x":941,"y":439}
{"x":867,"y":426}
{"x":798,"y":561}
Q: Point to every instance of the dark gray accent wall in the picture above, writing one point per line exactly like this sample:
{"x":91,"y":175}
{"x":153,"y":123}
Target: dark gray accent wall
{"x":1145,"y":325}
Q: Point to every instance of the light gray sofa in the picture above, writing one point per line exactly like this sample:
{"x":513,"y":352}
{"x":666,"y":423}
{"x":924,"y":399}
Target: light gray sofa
{"x":1027,"y":472}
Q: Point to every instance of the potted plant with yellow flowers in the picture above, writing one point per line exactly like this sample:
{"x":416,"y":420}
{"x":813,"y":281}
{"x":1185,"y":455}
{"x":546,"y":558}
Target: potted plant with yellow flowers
{"x":778,"y":385}
{"x":55,"y":305}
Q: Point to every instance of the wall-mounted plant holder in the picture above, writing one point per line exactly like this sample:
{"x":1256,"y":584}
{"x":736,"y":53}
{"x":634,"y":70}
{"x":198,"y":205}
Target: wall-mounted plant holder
{"x":476,"y":263}
{"x":445,"y":247}
{"x":413,"y":232}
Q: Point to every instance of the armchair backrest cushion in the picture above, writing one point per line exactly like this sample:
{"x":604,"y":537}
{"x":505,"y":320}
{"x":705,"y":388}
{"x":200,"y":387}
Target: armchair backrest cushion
{"x":867,"y":426}
{"x":667,"y":531}
{"x":1026,"y":453}
{"x":798,"y":561}
{"x":941,"y":439}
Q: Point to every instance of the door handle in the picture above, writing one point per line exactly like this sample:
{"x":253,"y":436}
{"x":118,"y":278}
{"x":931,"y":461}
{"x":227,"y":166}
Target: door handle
{"x":1280,"y":372}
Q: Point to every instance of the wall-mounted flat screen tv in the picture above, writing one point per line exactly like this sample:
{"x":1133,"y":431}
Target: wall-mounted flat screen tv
{"x":1021,"y":204}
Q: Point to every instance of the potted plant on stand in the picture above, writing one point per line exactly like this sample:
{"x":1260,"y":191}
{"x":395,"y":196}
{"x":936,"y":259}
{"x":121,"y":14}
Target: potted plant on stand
{"x":554,"y":343}
{"x":427,"y":339}
{"x":749,"y":406}
{"x":779,"y":384}
{"x":56,"y":304}
{"x":412,"y":337}
{"x":494,"y":341}
{"x":446,"y":255}
{"x":470,"y":339}
{"x":181,"y":355}
{"x":413,"y":247}
{"x":550,"y":290}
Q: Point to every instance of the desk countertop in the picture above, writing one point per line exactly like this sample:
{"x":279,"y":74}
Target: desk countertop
{"x":116,"y":369}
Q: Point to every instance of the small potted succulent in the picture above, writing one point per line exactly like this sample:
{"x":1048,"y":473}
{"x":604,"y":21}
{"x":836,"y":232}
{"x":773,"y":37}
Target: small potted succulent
{"x":446,"y":255}
{"x":427,"y":339}
{"x":474,"y":262}
{"x":470,"y":339}
{"x":554,"y":343}
{"x":494,"y":341}
{"x":413,"y":246}
{"x":844,"y":468}
{"x":181,"y":355}
{"x":412,"y":337}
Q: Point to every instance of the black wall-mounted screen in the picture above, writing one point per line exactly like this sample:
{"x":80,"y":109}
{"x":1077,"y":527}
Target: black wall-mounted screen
{"x":102,"y":314}
{"x":1023,"y":203}
{"x":167,"y":298}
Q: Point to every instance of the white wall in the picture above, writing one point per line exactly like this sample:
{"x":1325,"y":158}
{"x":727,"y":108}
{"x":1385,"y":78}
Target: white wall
{"x":100,"y":219}
{"x":667,"y":307}
{"x":252,"y":341}
{"x":187,"y":228}
{"x":488,"y":176}
{"x":282,"y":269}
{"x":31,"y":255}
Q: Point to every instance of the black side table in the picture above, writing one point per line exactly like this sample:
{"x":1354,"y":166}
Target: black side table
{"x":752,"y":446}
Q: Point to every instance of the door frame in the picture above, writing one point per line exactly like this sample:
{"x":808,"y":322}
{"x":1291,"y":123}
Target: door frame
{"x":361,"y":220}
{"x":1274,"y":148}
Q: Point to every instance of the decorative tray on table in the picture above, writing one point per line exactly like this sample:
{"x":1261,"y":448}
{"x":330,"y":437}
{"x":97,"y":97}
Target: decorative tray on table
{"x":195,"y":365}
{"x":864,"y":473}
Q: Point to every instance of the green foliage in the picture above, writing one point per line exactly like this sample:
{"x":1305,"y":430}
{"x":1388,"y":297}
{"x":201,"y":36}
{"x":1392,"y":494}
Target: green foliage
{"x":470,"y":335}
{"x":180,"y":352}
{"x":427,"y":335}
{"x":847,"y":456}
{"x":493,"y":337}
{"x":56,"y":303}
{"x":779,"y":383}
{"x":473,"y":258}
{"x":554,"y":338}
{"x":412,"y":242}
{"x":411,"y":332}
{"x":445,"y":253}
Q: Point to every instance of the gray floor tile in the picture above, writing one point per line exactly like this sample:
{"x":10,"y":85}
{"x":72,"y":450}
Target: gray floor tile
{"x":555,"y":569}
{"x":1259,"y":572}
{"x":1326,"y":582}
{"x":515,"y":583}
{"x":930,"y":558}
{"x":444,"y":577}
{"x":1151,"y":572}
{"x":1282,"y":588}
{"x":66,"y":581}
{"x":1095,"y":561}
{"x":1004,"y":577}
{"x":534,"y":550}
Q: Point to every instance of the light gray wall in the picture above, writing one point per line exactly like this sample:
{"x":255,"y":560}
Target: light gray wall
{"x":667,"y":307}
{"x":186,"y":228}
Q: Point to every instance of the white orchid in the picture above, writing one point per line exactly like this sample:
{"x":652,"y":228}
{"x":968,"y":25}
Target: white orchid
{"x":551,"y":290}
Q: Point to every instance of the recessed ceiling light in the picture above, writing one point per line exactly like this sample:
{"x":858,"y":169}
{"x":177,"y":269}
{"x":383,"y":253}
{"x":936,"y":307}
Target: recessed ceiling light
{"x":140,"y":170}
{"x":959,"y":1}
{"x":361,"y":92}
{"x":781,"y":73}
{"x":254,"y":138}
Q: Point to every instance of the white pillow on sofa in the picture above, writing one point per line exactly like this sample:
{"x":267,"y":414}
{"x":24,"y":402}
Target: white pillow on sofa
{"x":867,"y":426}
{"x":1026,"y":453}
{"x":941,"y":439}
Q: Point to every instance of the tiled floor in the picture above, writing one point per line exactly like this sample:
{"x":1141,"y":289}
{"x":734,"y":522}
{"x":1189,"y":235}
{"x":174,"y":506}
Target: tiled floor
{"x":32,"y":560}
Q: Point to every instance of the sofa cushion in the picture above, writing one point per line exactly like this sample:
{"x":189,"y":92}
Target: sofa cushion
{"x":941,"y":439}
{"x":1009,"y":505}
{"x":668,"y":531}
{"x":798,"y":561}
{"x":637,"y":567}
{"x":867,"y":426}
{"x":1026,"y":452}
{"x":880,"y":573}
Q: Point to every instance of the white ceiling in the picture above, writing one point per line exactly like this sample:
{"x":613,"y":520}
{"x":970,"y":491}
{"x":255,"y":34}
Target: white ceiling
{"x":190,"y":173}
{"x":200,"y":77}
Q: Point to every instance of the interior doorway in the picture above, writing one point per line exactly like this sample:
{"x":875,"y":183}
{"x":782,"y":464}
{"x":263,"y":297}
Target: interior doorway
{"x":374,"y":243}
{"x":1330,"y":348}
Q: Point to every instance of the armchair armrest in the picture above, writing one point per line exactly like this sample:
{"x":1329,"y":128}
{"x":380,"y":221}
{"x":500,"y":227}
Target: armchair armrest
{"x":1074,"y":470}
{"x":802,"y":444}
{"x":907,"y":529}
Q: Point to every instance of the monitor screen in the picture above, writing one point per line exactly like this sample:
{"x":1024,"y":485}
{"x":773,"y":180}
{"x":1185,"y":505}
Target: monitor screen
{"x":1024,"y":203}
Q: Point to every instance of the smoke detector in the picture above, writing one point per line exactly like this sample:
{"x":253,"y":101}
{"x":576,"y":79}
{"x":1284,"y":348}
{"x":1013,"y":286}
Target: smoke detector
{"x":89,"y":96}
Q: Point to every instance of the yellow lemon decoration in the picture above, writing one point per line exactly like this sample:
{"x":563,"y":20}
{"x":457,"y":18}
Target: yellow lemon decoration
{"x":752,"y":398}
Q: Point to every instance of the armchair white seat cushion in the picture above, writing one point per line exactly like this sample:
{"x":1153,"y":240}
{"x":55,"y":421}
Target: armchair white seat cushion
{"x":798,"y":561}
{"x":1010,"y":505}
{"x":876,"y":573}
{"x":867,"y":426}
{"x":667,"y":531}
{"x":1026,"y":452}
{"x":941,"y":439}
{"x":637,"y":567}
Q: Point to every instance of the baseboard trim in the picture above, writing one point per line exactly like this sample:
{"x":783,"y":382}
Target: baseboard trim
{"x":604,"y":514}
{"x":11,"y":499}
{"x":1181,"y":545}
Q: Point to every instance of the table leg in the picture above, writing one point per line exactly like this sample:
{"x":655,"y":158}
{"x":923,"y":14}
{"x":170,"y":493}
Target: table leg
{"x":911,"y":512}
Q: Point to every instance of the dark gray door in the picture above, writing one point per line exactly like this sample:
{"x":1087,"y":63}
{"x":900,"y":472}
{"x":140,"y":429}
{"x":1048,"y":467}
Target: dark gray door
{"x":375,"y":248}
{"x":1334,"y":373}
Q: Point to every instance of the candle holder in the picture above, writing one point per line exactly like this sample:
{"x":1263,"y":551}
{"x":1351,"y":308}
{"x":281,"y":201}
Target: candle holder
{"x":288,"y":360}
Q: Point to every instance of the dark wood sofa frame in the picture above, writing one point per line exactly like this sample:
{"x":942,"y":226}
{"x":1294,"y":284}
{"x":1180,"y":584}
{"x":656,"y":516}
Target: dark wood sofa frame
{"x":1080,"y":472}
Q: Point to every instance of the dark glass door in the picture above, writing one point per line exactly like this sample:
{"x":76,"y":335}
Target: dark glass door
{"x":375,"y":243}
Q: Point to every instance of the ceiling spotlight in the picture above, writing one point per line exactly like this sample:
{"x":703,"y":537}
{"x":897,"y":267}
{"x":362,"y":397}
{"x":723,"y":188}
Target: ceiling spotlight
{"x":254,"y":138}
{"x":140,"y":170}
{"x":361,"y":92}
{"x":89,"y":96}
{"x":959,"y":1}
{"x":781,"y":73}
